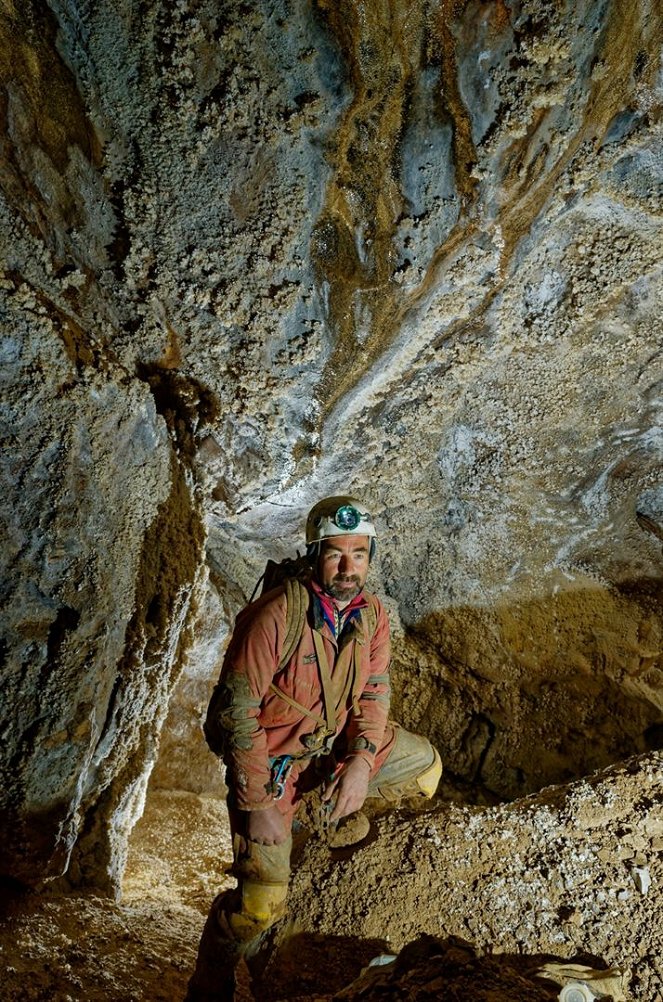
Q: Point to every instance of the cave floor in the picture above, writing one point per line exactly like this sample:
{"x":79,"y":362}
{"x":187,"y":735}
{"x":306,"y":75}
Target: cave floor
{"x":578,"y":845}
{"x":86,"y":948}
{"x":83,"y":947}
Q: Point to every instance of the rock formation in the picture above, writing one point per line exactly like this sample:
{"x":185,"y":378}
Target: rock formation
{"x":570,"y":870}
{"x":256,"y":253}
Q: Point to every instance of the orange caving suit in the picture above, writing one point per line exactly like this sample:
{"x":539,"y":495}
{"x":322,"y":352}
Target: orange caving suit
{"x":252,"y":721}
{"x":252,"y":724}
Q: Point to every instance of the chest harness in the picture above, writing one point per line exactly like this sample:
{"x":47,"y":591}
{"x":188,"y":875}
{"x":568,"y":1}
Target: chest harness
{"x":319,"y":742}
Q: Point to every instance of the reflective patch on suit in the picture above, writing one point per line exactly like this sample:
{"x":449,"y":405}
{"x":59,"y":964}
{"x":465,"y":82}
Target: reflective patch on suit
{"x":377,"y":697}
{"x":233,"y":711}
{"x":378,"y":680}
{"x":309,"y":659}
{"x":363,"y":744}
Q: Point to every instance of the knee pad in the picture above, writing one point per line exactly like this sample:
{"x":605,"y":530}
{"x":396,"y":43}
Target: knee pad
{"x":428,"y":780}
{"x":261,"y":905}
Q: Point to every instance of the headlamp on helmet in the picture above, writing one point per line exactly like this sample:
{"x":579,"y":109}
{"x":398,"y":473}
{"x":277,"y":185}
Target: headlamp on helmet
{"x":338,"y":516}
{"x":347,"y":517}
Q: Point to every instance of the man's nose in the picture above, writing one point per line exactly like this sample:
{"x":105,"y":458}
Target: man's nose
{"x":343,"y":563}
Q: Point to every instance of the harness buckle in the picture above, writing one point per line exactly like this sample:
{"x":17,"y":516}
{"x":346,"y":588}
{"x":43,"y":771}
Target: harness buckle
{"x":319,"y":742}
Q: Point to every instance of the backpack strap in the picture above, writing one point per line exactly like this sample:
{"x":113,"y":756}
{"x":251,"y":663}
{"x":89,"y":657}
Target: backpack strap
{"x":297,"y":706}
{"x":296,"y":607}
{"x":370,"y":618}
{"x":325,"y":682}
{"x":297,"y":602}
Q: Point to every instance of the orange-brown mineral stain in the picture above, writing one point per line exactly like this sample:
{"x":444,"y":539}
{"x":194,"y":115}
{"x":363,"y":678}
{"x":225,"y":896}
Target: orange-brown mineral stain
{"x":386,"y":45}
{"x":353,"y":242}
{"x":353,"y":247}
{"x":41,"y":113}
{"x":528,"y":182}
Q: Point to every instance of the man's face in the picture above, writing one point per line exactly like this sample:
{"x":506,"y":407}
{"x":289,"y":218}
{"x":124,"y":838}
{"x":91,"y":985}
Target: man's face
{"x":343,"y":566}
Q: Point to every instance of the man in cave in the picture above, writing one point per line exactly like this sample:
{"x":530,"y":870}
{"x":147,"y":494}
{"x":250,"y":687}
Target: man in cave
{"x":302,"y":702}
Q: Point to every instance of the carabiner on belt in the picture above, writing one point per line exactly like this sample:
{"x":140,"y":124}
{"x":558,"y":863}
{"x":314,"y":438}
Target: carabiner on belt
{"x":280,"y":771}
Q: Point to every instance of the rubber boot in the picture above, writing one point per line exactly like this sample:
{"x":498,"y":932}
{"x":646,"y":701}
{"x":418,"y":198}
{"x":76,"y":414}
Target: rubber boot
{"x":429,"y":780}
{"x":218,"y":954}
{"x":413,"y":769}
{"x":258,"y":954}
{"x":257,"y":923}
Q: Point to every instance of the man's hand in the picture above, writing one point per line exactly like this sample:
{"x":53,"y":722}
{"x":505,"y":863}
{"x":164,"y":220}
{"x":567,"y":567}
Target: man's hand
{"x":350,"y":786}
{"x":266,"y":827}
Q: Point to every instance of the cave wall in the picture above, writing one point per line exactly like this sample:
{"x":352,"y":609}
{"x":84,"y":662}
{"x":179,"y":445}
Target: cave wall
{"x":104,"y":537}
{"x":253,"y":254}
{"x":488,"y":266}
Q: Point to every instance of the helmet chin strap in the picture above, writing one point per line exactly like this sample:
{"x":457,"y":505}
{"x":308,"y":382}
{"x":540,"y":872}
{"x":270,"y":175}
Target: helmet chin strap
{"x":312,"y":551}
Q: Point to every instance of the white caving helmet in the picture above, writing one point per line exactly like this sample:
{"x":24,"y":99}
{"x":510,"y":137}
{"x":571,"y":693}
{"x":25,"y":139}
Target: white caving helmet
{"x":338,"y":516}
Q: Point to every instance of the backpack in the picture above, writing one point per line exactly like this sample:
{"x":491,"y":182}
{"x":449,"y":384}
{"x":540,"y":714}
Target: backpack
{"x":294,"y":574}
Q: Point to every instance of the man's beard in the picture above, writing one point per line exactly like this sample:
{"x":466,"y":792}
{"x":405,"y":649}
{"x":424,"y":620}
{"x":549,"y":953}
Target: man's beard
{"x":344,"y":594}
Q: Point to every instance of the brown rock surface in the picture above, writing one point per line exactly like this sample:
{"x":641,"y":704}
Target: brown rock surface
{"x":434,"y":969}
{"x":554,"y":875}
{"x":253,"y":254}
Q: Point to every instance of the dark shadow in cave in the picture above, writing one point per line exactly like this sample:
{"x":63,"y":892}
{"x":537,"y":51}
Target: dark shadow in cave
{"x":543,"y":692}
{"x":307,"y":965}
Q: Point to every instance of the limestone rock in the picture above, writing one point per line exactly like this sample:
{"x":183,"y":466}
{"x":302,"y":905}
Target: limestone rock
{"x":253,"y":254}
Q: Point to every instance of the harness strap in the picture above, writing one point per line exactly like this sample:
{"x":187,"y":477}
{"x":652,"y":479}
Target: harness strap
{"x":297,"y":602}
{"x":370,"y":618}
{"x":325,"y":679}
{"x":297,"y":599}
{"x":369,"y":622}
{"x":295,"y":705}
{"x":355,"y":681}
